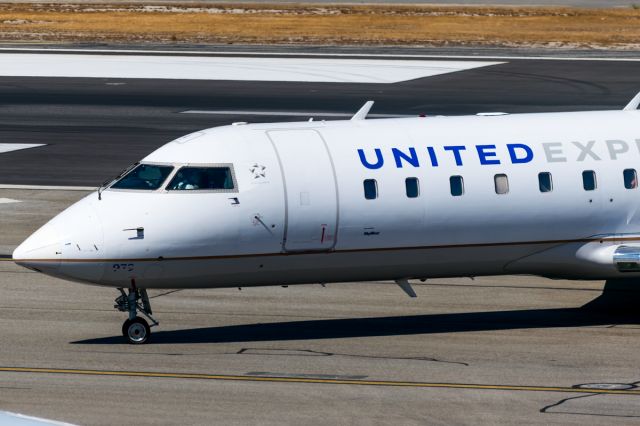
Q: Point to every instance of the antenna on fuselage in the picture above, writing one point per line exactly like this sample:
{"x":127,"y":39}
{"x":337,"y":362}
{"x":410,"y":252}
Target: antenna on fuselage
{"x":633,"y":105}
{"x":362,"y":112}
{"x":406,"y":287}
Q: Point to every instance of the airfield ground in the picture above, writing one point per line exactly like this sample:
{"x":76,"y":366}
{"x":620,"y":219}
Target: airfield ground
{"x":497,"y":350}
{"x":323,"y":24}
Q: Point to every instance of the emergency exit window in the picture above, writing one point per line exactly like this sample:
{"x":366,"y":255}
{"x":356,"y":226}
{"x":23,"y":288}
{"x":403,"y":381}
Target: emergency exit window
{"x":370,"y":189}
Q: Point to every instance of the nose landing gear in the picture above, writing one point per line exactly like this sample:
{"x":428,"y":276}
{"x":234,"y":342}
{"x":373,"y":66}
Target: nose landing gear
{"x":135,"y":329}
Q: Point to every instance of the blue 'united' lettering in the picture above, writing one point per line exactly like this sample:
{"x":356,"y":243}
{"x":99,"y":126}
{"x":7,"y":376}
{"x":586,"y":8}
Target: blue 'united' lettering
{"x":379,"y":159}
{"x":409,"y":156}
{"x":485,"y":152}
{"x":513,"y":153}
{"x":412,"y":158}
{"x":456,"y":152}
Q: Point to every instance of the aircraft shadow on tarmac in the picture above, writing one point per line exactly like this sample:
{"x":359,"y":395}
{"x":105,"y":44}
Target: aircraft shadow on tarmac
{"x":390,"y":326}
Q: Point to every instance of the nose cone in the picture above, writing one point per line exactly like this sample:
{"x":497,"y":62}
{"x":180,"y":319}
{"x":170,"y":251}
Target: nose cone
{"x":41,"y":251}
{"x":69,"y":246}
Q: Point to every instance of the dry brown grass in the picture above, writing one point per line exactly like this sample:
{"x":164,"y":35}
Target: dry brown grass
{"x":323,"y":24}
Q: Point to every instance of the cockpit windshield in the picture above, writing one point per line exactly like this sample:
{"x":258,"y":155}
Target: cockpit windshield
{"x":144,"y":176}
{"x":202,"y":178}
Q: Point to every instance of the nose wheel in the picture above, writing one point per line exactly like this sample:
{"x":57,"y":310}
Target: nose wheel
{"x":136,"y":330}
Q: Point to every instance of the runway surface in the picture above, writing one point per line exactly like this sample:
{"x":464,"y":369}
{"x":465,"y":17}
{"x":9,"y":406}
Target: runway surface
{"x":495,"y":350}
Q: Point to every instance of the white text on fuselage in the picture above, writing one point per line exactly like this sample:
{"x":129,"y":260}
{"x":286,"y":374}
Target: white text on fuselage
{"x":514,"y":153}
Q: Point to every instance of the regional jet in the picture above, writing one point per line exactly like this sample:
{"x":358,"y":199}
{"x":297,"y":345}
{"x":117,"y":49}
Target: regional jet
{"x":551,"y":194}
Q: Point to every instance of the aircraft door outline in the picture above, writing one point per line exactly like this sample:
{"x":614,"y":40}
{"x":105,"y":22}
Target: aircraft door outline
{"x":311,"y":192}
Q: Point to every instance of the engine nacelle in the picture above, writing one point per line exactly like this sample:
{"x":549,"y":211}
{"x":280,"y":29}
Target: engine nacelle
{"x":627,"y":258}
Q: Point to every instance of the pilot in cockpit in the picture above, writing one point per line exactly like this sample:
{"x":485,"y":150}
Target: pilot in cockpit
{"x":151,"y":177}
{"x":202,"y":178}
{"x":183,"y":182}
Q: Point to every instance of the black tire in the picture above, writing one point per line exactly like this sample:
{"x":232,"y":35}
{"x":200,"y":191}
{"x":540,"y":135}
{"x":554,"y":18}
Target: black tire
{"x":138,"y":331}
{"x":125,"y":327}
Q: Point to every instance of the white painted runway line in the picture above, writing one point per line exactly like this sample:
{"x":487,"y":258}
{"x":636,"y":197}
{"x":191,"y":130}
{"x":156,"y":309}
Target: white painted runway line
{"x":8,"y":201}
{"x":290,"y":113}
{"x":15,"y":419}
{"x":9,"y":147}
{"x":228,"y":68}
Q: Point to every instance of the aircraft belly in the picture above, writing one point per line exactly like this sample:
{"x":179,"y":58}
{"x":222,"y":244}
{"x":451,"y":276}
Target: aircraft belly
{"x":289,"y":269}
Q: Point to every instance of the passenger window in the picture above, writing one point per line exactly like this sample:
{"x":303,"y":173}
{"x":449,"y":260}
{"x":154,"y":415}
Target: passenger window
{"x":202,"y":178}
{"x":502,"y":184}
{"x":589,"y":180}
{"x":630,"y":178}
{"x":370,"y":189}
{"x":545,"y":182}
{"x":412,"y":187}
{"x":144,"y":176}
{"x":457,"y":185}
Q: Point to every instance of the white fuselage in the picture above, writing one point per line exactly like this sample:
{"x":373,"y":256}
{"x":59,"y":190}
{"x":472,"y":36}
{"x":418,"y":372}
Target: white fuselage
{"x":298,"y":212}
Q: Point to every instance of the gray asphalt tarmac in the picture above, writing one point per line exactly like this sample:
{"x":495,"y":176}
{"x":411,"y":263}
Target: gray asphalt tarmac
{"x":495,"y":350}
{"x":93,"y":128}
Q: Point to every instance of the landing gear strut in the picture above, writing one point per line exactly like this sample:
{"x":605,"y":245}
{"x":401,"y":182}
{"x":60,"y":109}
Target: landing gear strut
{"x":135,"y":329}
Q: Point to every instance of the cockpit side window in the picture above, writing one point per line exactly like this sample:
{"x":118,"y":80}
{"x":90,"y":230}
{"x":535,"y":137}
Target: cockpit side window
{"x":202,"y":178}
{"x":144,"y":177}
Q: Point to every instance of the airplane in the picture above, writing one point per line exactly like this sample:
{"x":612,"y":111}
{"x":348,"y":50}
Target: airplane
{"x":549,"y":194}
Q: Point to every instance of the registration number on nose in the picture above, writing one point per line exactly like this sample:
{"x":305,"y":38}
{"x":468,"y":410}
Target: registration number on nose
{"x":123,"y":267}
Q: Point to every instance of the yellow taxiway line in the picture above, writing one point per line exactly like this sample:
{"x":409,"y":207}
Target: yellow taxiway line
{"x":275,"y":379}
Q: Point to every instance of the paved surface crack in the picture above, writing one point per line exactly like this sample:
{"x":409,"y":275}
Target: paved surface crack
{"x":309,"y":352}
{"x":632,"y":385}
